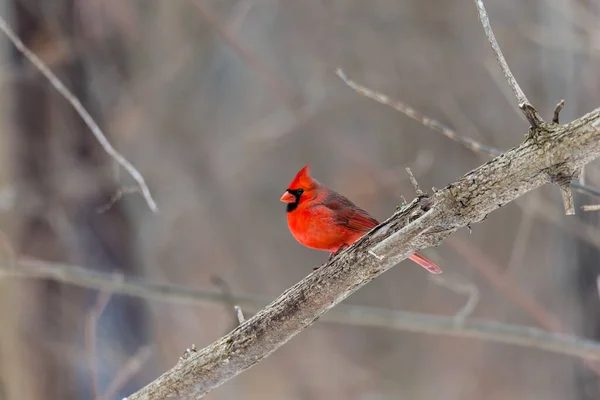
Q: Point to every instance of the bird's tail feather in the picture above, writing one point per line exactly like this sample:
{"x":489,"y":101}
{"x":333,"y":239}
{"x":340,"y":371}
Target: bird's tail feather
{"x":425,"y":263}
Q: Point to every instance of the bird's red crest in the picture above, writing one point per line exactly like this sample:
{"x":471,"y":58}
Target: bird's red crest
{"x":303,"y":180}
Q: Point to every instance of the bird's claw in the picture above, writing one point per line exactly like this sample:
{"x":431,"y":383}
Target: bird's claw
{"x":338,"y":251}
{"x":331,"y":255}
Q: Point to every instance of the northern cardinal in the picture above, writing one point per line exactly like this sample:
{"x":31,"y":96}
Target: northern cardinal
{"x":322,"y":219}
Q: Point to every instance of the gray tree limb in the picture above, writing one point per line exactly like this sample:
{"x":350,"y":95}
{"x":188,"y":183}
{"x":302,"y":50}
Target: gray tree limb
{"x":350,"y":315}
{"x":555,"y":153}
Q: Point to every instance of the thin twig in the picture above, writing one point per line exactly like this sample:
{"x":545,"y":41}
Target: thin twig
{"x":131,"y":367}
{"x":240,"y":314}
{"x":594,"y":207}
{"x":557,"y":110}
{"x":504,"y":284}
{"x":498,"y":78}
{"x":414,"y":182}
{"x":230,"y":300}
{"x":564,"y":184}
{"x":567,"y":197}
{"x":228,"y":35}
{"x":586,"y":189}
{"x":460,"y":286}
{"x":417,"y":116}
{"x":530,"y":113}
{"x":188,"y":352}
{"x":122,"y":191}
{"x":91,"y":333}
{"x":80,"y":109}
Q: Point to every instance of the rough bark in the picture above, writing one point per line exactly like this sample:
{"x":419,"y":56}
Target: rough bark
{"x":550,"y":154}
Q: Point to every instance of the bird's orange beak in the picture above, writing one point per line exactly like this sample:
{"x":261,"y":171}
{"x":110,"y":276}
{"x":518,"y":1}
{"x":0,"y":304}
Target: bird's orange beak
{"x":288,"y":198}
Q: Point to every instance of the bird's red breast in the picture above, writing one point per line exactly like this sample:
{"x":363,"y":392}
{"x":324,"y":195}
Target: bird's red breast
{"x":323,"y":219}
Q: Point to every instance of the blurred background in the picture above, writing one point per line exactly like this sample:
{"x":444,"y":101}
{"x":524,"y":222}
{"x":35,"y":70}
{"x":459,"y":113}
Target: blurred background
{"x":219,"y":103}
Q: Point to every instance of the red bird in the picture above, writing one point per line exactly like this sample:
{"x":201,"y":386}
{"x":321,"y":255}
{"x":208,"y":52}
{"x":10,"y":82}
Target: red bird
{"x":322,"y":219}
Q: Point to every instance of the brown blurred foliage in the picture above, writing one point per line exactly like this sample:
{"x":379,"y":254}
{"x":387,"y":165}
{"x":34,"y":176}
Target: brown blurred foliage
{"x":219,"y":103}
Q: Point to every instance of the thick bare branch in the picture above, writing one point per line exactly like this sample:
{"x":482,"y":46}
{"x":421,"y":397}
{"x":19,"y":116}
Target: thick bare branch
{"x":530,"y":112}
{"x":80,"y":109}
{"x":425,"y":222}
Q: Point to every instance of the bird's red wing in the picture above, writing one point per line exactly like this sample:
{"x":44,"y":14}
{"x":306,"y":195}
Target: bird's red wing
{"x":361,"y":221}
{"x":349,"y":214}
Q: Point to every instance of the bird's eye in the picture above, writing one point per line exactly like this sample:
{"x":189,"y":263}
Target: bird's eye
{"x":300,"y":191}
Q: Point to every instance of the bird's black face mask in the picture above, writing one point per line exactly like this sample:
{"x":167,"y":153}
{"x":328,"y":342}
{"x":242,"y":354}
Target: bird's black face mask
{"x":296,"y":193}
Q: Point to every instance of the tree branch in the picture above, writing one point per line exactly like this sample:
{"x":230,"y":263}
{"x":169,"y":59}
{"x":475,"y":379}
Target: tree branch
{"x":83,"y":113}
{"x":410,"y":112}
{"x":460,"y":286}
{"x":567,"y":196}
{"x":414,"y":182}
{"x":457,"y":326}
{"x":116,"y":283}
{"x":530,"y":112}
{"x":240,"y":314}
{"x":594,"y":207}
{"x":557,"y":110}
{"x":425,"y":222}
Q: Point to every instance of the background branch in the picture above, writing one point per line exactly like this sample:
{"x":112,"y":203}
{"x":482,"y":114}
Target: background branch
{"x":440,"y":128}
{"x":530,"y":112}
{"x":458,"y":326}
{"x":83,"y":113}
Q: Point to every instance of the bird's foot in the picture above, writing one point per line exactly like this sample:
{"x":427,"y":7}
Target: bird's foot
{"x":331,"y":255}
{"x":338,"y":251}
